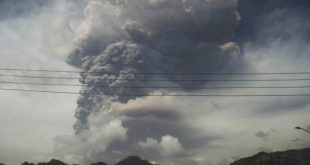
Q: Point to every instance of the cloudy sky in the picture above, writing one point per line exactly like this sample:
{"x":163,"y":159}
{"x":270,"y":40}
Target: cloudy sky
{"x":108,"y":39}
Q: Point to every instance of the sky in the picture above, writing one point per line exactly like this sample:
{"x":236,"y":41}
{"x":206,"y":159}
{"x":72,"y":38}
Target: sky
{"x":152,"y":36}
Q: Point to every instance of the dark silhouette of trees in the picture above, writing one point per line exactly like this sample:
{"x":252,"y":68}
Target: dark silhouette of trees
{"x":98,"y":163}
{"x":133,"y":160}
{"x":53,"y":162}
{"x":27,"y":163}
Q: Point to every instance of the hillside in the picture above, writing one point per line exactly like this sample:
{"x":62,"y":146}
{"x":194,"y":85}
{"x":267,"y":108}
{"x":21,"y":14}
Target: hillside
{"x":290,"y":157}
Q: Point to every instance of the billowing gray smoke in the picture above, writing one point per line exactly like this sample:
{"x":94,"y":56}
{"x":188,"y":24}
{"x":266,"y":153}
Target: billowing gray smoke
{"x":119,"y":37}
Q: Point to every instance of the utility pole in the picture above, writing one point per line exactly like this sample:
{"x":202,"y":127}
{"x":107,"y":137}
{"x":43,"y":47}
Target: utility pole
{"x":303,"y":129}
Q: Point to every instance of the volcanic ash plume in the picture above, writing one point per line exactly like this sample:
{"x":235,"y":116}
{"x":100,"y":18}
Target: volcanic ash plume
{"x":155,"y":36}
{"x":119,"y":38}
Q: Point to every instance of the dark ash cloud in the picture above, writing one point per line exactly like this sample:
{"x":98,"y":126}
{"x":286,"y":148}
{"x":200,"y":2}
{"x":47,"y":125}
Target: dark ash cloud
{"x":151,"y":36}
{"x":257,"y":15}
{"x":155,"y":36}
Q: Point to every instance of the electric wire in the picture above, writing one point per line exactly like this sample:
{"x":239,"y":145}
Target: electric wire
{"x":160,"y":95}
{"x":158,"y":73}
{"x":155,"y":80}
{"x":157,"y":87}
{"x":158,"y":80}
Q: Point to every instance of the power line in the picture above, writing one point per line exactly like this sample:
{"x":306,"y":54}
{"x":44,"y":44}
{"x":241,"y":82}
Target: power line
{"x":158,"y":73}
{"x":41,"y":84}
{"x":41,"y":70}
{"x":63,"y":71}
{"x":41,"y":77}
{"x":160,"y":95}
{"x":156,"y":80}
{"x":157,"y":87}
{"x":40,"y":91}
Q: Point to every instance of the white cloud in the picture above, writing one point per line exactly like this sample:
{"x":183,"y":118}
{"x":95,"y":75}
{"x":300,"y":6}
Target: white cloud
{"x":167,"y":146}
{"x":96,"y":140}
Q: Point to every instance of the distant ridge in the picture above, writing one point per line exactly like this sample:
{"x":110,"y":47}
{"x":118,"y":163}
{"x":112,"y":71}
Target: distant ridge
{"x":290,"y":157}
{"x":131,"y":160}
{"x":98,"y":163}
